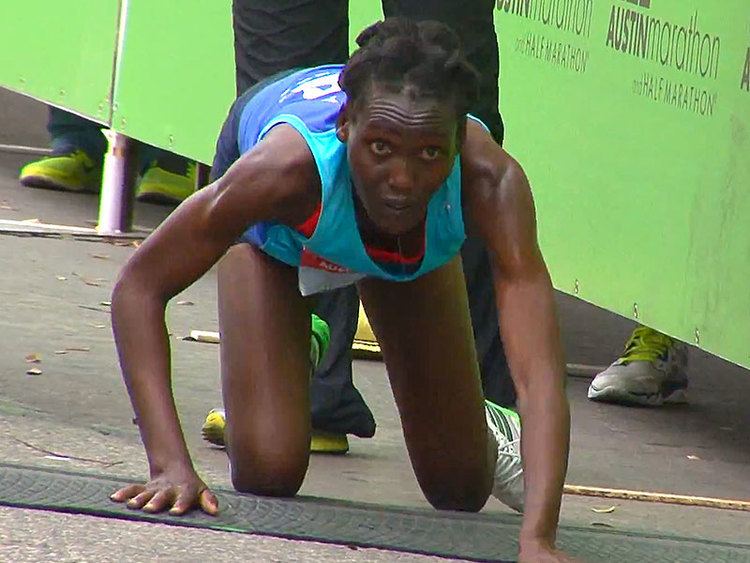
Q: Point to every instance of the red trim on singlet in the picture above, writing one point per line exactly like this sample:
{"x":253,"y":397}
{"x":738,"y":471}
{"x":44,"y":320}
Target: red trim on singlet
{"x":380,"y":255}
{"x":307,"y":228}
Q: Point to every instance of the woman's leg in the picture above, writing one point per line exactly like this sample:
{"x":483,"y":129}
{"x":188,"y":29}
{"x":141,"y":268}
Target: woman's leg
{"x":265,"y":370}
{"x":424,"y":330}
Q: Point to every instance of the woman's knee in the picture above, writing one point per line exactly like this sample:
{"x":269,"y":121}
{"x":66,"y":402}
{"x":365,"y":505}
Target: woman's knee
{"x":461,"y":494}
{"x":464,"y":501}
{"x":277,"y":474}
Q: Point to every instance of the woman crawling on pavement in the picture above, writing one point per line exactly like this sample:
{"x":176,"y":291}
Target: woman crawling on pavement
{"x":369,"y":173}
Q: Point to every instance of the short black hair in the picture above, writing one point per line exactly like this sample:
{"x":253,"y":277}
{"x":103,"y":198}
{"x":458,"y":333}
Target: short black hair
{"x":401,"y":53}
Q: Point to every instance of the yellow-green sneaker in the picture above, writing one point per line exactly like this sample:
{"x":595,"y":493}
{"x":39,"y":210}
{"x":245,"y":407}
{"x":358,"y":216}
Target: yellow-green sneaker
{"x":328,"y":443}
{"x":71,"y":172}
{"x":213,"y":427}
{"x":320,"y":442}
{"x":162,"y":186}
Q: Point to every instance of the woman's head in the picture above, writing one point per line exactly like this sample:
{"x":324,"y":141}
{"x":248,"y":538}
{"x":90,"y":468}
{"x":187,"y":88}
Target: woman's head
{"x":408,"y":89}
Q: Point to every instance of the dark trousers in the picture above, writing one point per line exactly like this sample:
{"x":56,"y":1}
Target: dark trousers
{"x":70,"y":132}
{"x":274,"y":35}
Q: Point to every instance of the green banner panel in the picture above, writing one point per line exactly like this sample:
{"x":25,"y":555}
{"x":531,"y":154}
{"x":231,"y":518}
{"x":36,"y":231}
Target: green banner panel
{"x":175,"y":76}
{"x":175,"y":79}
{"x":632,"y":119}
{"x":60,"y":52}
{"x":361,"y":14}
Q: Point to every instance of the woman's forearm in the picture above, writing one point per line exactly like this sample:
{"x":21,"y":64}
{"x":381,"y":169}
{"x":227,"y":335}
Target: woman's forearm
{"x":143,"y":347}
{"x":544,"y":444}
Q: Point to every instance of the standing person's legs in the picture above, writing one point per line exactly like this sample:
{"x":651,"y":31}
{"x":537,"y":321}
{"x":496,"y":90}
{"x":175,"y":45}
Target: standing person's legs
{"x":493,"y":366}
{"x":150,"y":156}
{"x":473,"y":22}
{"x":275,"y":35}
{"x":270,"y":37}
{"x":165,"y":177}
{"x":78,"y":148}
{"x":70,"y":132}
{"x":337,"y":406}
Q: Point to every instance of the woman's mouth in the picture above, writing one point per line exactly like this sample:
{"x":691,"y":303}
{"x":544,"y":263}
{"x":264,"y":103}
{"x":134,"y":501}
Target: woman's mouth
{"x":397,"y":204}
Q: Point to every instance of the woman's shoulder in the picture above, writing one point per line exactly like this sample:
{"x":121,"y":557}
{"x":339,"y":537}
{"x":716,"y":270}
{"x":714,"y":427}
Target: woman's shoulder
{"x":281,"y":171}
{"x":485,"y":165}
{"x":494,"y":185}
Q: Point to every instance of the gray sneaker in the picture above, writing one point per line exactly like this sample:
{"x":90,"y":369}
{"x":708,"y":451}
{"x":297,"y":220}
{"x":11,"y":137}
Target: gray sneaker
{"x":505,"y":426}
{"x":652,"y":371}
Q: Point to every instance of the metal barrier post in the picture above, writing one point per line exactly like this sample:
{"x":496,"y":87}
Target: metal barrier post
{"x":118,"y":185}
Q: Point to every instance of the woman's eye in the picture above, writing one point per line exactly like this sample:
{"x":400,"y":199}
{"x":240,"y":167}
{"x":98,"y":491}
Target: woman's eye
{"x":430,"y":153}
{"x":380,"y":148}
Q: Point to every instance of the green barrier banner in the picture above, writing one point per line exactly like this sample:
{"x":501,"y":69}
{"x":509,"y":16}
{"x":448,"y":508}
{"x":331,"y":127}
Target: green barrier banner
{"x":175,"y":79}
{"x":632,"y":119}
{"x":60,"y":53}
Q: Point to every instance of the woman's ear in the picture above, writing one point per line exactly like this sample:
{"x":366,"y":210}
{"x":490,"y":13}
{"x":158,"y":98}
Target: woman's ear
{"x":342,"y":124}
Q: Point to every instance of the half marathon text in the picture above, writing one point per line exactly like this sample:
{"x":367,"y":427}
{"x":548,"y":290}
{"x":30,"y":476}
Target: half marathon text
{"x":557,"y":53}
{"x":677,"y":94}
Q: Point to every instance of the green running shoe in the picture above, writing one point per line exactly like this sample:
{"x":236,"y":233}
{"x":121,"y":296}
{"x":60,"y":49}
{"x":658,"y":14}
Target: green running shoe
{"x":321,"y":338}
{"x":161,"y":186}
{"x":71,"y":172}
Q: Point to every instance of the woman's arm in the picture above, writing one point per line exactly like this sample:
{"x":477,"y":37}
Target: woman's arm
{"x":500,"y":206}
{"x":275,"y":181}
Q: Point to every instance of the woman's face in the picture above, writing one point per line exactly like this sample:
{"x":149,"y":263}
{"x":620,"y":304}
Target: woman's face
{"x":401,"y":148}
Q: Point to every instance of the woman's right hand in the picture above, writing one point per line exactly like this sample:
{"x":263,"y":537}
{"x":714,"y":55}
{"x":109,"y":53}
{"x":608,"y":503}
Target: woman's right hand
{"x":177,"y":490}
